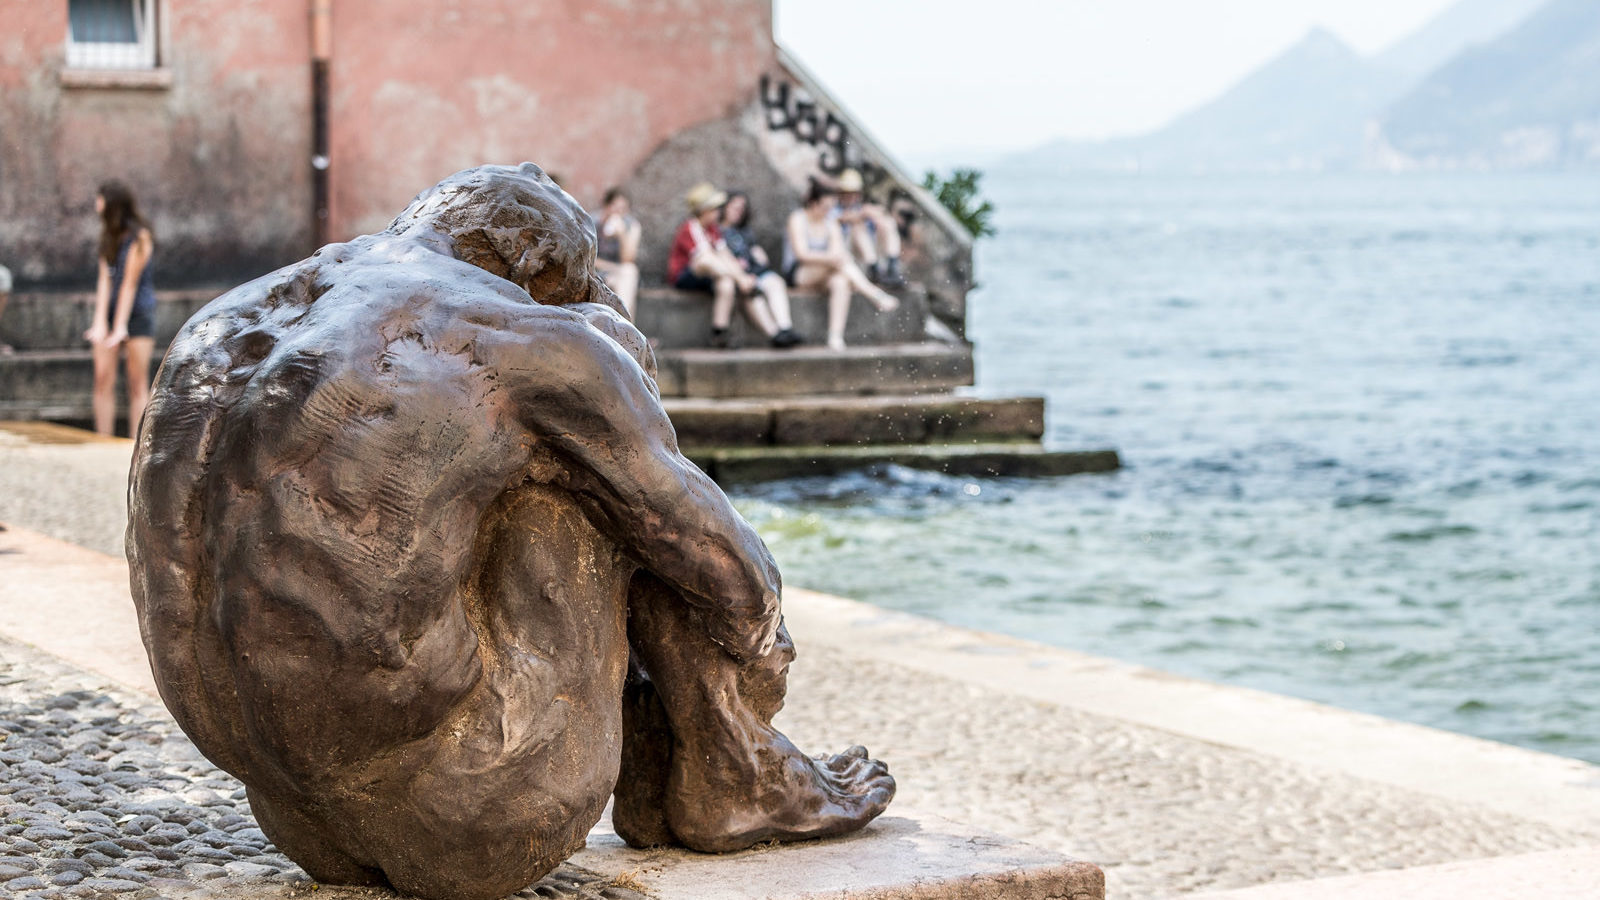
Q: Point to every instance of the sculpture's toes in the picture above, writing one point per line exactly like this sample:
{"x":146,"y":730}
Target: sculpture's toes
{"x":804,"y":798}
{"x":861,"y":787}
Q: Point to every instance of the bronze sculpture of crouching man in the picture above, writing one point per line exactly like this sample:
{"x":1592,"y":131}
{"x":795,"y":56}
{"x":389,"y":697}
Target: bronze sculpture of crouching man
{"x":416,"y":557}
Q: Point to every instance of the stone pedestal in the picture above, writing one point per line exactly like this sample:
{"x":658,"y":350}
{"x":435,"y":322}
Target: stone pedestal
{"x":898,"y":857}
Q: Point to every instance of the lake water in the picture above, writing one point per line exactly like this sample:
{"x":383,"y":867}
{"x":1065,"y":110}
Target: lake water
{"x":1360,"y":423}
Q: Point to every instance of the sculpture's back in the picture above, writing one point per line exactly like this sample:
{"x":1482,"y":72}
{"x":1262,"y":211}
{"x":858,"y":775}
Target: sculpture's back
{"x":385,"y":515}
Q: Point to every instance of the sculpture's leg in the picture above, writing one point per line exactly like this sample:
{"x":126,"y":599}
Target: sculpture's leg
{"x":731,"y":780}
{"x":640,"y":812}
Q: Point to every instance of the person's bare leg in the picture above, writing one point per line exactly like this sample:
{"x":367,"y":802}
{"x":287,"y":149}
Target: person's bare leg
{"x":724,"y":290}
{"x":623,"y":279}
{"x":731,"y":779}
{"x":838,"y":308}
{"x":104,"y":399}
{"x":627,"y":289}
{"x":862,"y":245}
{"x":777,"y":294}
{"x":138,"y":370}
{"x":875,"y":295}
{"x":757,"y":309}
{"x":723,"y":294}
{"x":888,"y":232}
{"x":832,"y":281}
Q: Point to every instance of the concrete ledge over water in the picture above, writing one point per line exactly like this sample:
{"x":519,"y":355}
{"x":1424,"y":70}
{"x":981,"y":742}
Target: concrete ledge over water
{"x":728,"y":465}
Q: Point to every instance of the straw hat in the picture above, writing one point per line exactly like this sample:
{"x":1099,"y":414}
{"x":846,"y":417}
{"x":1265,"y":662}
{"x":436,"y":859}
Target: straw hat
{"x":850,"y":182}
{"x":704,"y":196}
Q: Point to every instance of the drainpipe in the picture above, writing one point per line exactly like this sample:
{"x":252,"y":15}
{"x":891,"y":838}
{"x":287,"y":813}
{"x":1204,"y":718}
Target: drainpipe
{"x":321,"y":53}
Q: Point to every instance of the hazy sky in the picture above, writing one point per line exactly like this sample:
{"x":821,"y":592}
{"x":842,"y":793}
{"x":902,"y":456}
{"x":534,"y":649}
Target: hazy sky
{"x":934,"y":79}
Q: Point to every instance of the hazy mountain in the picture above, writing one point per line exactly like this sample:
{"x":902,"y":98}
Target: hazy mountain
{"x":1530,"y":98}
{"x":1306,"y":109}
{"x":1460,"y":26}
{"x":1315,"y":106}
{"x":1303,"y":110}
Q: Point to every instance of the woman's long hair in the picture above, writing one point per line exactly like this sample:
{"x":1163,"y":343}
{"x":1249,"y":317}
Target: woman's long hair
{"x":119,"y":219}
{"x":744,"y":217}
{"x":817,"y":191}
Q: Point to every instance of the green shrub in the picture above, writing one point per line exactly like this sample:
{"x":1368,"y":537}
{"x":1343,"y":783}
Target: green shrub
{"x":959,"y":194}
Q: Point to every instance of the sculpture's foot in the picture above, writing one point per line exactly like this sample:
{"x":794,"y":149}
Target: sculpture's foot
{"x":792,"y":797}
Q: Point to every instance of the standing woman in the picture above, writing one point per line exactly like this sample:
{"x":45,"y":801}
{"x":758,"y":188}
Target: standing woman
{"x":124,"y":307}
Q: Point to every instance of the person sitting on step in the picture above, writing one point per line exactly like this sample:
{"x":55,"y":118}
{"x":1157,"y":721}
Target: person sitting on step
{"x":617,"y":236}
{"x":814,"y":256}
{"x":772,"y":316}
{"x":871,"y":233}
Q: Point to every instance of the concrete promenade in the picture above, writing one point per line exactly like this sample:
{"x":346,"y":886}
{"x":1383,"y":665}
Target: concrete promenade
{"x":1173,"y":786}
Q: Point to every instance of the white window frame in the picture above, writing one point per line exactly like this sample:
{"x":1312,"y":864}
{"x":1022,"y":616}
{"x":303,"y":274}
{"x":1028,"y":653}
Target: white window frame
{"x":140,"y":54}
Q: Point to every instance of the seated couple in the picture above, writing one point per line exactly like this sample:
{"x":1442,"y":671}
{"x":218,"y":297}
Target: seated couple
{"x":714,"y":251}
{"x":704,"y":258}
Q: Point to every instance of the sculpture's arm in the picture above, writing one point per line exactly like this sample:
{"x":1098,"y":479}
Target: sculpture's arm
{"x":587,"y":400}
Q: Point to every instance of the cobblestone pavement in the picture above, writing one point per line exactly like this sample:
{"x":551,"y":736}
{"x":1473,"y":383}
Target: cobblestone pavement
{"x":101,"y":795}
{"x":1160,"y":813}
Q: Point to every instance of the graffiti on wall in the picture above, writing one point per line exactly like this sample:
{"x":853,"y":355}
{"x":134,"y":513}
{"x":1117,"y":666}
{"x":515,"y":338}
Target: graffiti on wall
{"x":790,"y":109}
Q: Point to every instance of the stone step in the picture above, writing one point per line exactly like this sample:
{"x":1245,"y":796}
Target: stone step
{"x":55,"y":384}
{"x":730,"y":465}
{"x":836,"y":421}
{"x":52,"y":384}
{"x":677,"y":320}
{"x":881,"y":369}
{"x":47,"y":320}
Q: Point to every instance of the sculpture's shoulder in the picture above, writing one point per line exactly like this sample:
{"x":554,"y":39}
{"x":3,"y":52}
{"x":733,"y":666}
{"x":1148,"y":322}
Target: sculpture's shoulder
{"x":375,"y":276}
{"x":355,"y":306}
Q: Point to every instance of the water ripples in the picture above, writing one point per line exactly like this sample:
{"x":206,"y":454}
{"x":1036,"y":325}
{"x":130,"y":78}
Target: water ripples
{"x":1358,"y":421}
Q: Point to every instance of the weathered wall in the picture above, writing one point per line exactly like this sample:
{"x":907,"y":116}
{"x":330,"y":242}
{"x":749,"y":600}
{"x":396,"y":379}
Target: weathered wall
{"x":586,"y":88}
{"x":218,"y":159}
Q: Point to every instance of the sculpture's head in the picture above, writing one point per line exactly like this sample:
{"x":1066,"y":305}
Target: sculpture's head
{"x":514,"y":222}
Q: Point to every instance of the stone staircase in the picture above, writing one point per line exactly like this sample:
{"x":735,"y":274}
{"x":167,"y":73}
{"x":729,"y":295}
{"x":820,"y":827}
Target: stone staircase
{"x":681,"y":320}
{"x":743,"y":413}
{"x":51,"y":374}
{"x":752,"y":412}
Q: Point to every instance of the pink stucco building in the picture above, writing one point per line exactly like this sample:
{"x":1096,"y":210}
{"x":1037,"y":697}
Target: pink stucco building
{"x":213,"y":111}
